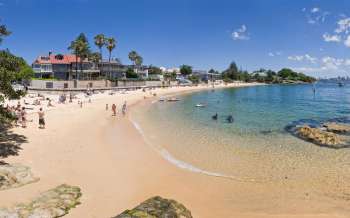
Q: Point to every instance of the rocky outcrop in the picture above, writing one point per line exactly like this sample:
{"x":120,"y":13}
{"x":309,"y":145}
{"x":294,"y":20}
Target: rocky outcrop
{"x":320,"y":137}
{"x":53,"y":203}
{"x":337,"y":128}
{"x":13,"y":176}
{"x":157,"y":207}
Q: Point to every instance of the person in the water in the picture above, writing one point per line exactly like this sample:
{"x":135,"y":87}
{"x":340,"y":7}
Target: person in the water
{"x":230,"y":119}
{"x":215,"y":117}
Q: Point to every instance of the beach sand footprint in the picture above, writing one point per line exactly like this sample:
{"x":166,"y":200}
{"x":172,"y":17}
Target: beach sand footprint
{"x":55,"y":202}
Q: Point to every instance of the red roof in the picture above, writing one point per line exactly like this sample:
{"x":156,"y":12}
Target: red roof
{"x":57,"y":59}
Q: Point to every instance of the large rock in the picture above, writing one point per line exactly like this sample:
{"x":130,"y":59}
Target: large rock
{"x":157,"y":207}
{"x":53,"y":203}
{"x":337,"y":128}
{"x":16,"y":175}
{"x":320,"y":137}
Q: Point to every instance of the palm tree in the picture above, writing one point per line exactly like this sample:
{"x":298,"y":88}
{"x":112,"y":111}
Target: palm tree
{"x":95,"y":57}
{"x":80,"y":48}
{"x":138,"y":61}
{"x":3,"y":32}
{"x":110,"y":45}
{"x":133,"y":56}
{"x":75,"y":50}
{"x":100,"y":41}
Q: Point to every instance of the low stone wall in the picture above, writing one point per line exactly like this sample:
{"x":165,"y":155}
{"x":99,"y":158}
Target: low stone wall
{"x":79,"y":84}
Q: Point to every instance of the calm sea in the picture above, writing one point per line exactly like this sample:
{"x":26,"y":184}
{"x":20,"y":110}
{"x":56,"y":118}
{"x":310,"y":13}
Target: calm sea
{"x":256,"y":146}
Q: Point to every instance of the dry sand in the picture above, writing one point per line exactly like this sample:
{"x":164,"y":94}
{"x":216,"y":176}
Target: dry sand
{"x":116,"y":169}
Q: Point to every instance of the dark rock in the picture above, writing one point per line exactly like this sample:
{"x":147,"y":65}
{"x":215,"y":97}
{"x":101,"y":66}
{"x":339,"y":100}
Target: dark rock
{"x":157,"y":207}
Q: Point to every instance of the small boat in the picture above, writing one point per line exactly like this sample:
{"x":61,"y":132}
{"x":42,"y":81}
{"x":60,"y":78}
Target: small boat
{"x":200,"y":105}
{"x":340,"y":84}
{"x":161,"y":99}
{"x":173,"y":99}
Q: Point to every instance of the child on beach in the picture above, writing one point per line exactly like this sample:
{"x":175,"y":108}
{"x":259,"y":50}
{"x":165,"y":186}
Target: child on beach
{"x":41,"y":119}
{"x":114,"y":109}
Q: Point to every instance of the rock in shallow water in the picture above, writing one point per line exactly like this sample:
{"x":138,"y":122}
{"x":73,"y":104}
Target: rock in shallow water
{"x":320,"y":137}
{"x":157,"y":207}
{"x":53,"y":203}
{"x":337,"y":127}
{"x":16,"y":175}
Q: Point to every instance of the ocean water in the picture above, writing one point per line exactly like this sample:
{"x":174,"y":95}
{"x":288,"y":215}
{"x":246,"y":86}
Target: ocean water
{"x":256,"y":147}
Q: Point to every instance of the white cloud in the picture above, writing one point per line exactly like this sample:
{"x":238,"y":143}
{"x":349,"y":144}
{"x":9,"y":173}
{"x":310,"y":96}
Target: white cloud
{"x":305,"y":57}
{"x":343,"y":26}
{"x":327,"y":66}
{"x":296,"y":58}
{"x":315,"y":15}
{"x":273,"y":54}
{"x":347,"y":41}
{"x":315,"y":10}
{"x":240,"y":33}
{"x":331,"y":38}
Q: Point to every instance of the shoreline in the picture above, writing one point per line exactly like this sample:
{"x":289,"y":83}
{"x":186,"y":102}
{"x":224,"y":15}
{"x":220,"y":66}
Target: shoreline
{"x":116,"y":169}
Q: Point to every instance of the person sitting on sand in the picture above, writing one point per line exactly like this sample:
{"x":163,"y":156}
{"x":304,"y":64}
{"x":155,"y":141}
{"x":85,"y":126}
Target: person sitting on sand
{"x":49,"y":104}
{"x":41,"y":119}
{"x":114,"y":109}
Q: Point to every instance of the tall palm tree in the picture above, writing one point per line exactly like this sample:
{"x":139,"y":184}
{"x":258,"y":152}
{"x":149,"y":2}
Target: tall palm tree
{"x":100,"y":41}
{"x":75,"y":50}
{"x":81,"y":49}
{"x":3,"y":32}
{"x":138,"y":61}
{"x":95,"y":57}
{"x":110,"y":45}
{"x":133,"y":56}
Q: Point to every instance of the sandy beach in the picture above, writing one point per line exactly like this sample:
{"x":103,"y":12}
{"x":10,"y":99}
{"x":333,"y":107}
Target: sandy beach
{"x":109,"y":160}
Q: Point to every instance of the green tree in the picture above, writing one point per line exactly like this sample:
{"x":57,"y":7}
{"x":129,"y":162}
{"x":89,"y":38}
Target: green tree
{"x":154,"y":70}
{"x":232,"y":72}
{"x":110,"y":45}
{"x":133,"y":56}
{"x":81,"y":49}
{"x":100,"y":41}
{"x":185,"y":70}
{"x":12,"y":69}
{"x":3,"y":32}
{"x":139,"y":61}
{"x":131,"y":74}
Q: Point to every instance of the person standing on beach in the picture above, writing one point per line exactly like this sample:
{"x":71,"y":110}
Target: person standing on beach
{"x":24,"y":117}
{"x":106,"y":107}
{"x":41,"y":119}
{"x":124,"y":108}
{"x":114,"y":109}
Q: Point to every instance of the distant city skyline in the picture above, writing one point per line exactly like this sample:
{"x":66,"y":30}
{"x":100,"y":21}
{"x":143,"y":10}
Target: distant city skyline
{"x":308,"y":36}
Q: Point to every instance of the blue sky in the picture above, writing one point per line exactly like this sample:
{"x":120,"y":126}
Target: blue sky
{"x":309,"y":36}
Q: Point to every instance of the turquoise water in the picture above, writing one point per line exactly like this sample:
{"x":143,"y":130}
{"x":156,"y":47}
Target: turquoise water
{"x":256,"y":146}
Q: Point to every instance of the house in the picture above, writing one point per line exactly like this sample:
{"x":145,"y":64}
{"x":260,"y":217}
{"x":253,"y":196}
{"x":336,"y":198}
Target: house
{"x":64,"y":67}
{"x":206,"y":76}
{"x":70,"y":67}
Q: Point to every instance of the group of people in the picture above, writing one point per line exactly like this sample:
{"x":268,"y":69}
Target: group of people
{"x":114,"y":109}
{"x":20,"y":114}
